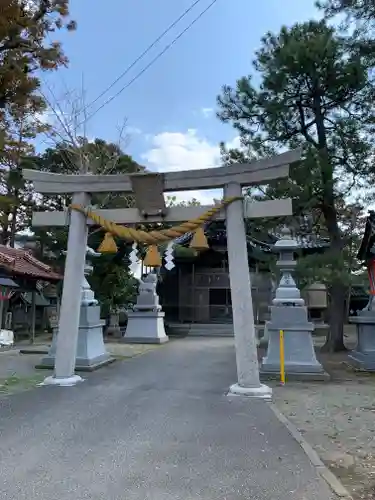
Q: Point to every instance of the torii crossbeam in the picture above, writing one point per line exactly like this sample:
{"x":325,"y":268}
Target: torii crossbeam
{"x":148,"y":189}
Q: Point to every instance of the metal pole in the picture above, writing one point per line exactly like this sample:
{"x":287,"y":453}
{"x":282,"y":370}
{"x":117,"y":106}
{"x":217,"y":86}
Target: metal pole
{"x":282,"y":358}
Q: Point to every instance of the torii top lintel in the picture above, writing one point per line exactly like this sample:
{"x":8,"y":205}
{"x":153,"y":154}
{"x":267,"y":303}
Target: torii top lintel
{"x":245,"y":174}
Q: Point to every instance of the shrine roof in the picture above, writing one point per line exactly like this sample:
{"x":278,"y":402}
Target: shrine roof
{"x":306,"y":242}
{"x":22,"y":263}
{"x":366,"y":248}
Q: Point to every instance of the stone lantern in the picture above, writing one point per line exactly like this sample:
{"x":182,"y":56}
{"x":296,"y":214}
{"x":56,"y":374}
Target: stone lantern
{"x":289,"y":313}
{"x":363,"y":356}
{"x":91,"y":352}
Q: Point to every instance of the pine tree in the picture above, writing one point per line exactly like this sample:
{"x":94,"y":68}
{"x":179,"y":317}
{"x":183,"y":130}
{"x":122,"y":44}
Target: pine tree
{"x":358,"y":23}
{"x":358,"y":10}
{"x":313,"y":93}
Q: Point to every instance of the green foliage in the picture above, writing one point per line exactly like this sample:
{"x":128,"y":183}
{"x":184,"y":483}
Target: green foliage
{"x":24,"y":53}
{"x":362,"y":11}
{"x":358,"y":22}
{"x":179,"y":250}
{"x":97,"y":157}
{"x":24,"y":26}
{"x":172,"y":202}
{"x":314,"y":93}
{"x":111,"y":279}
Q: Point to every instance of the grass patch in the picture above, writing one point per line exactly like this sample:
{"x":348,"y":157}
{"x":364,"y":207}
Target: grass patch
{"x":126,"y":351}
{"x":14,"y":383}
{"x":119,"y":357}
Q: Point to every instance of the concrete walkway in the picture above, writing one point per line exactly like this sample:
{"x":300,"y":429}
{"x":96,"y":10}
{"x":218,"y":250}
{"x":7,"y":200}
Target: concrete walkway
{"x":155,"y":427}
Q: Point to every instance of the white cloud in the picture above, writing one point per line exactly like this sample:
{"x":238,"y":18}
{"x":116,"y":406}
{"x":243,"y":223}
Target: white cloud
{"x":43,"y":118}
{"x":30,"y":5}
{"x":173,"y":151}
{"x":207,"y":112}
{"x":181,"y":151}
{"x":133,"y":130}
{"x":52,"y":117}
{"x":235,"y":143}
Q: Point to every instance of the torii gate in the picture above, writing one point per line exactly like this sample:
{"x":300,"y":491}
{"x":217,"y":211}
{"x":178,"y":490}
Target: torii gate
{"x":148,"y":189}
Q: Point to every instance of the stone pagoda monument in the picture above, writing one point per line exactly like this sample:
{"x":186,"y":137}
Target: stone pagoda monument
{"x":146,"y":319}
{"x":91,"y":352}
{"x":289,"y":313}
{"x":363,"y":356}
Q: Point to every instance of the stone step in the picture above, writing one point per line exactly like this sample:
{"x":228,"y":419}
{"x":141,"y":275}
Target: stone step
{"x":201,"y":329}
{"x":198,"y":329}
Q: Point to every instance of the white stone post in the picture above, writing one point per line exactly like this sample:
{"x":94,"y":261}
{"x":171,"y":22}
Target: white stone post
{"x":242,"y":305}
{"x":66,"y":345}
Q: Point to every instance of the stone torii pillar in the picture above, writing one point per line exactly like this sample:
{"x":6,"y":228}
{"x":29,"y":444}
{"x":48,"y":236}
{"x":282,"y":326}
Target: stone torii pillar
{"x":148,"y":189}
{"x":66,"y":342}
{"x":242,"y":303}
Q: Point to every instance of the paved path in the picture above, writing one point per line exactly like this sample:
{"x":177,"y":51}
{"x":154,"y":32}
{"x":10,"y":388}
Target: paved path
{"x":156,"y":427}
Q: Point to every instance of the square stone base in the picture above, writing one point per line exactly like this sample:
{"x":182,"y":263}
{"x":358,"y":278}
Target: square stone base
{"x":362,"y":361}
{"x":91,"y":351}
{"x":143,"y":340}
{"x":363,"y":357}
{"x":295,"y":375}
{"x":82,"y":365}
{"x":299,"y":354}
{"x":145,"y":327}
{"x":36,"y":350}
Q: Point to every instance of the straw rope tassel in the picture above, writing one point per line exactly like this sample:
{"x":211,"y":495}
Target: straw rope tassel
{"x":108,"y":245}
{"x":199,"y":241}
{"x":152,"y":258}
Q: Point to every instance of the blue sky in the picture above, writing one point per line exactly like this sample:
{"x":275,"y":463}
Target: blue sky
{"x":168,"y":109}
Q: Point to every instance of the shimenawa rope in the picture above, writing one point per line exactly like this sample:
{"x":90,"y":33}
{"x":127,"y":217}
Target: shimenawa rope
{"x":153,"y":237}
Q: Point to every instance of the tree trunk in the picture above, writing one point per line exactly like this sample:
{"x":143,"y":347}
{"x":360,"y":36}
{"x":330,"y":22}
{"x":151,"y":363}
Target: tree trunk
{"x":337,"y":314}
{"x":338,"y":288}
{"x":4,"y":230}
{"x":13,"y":226}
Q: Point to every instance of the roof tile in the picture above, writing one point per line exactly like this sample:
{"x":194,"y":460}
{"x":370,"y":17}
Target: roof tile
{"x":23,"y":263}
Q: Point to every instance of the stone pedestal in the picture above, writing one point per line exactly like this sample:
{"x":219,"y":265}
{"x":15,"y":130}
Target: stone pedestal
{"x":91,"y":352}
{"x":363,"y":357}
{"x":146,"y":320}
{"x":145,"y":327}
{"x":113,"y":328}
{"x":300,"y":359}
{"x":6,"y":337}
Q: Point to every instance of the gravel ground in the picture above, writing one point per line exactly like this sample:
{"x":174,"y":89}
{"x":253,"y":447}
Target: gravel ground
{"x":337,"y":419}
